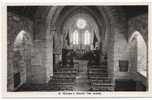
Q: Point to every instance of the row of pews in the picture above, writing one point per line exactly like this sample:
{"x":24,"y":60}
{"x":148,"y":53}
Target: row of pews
{"x":65,"y":74}
{"x":64,"y":78}
{"x":98,"y":75}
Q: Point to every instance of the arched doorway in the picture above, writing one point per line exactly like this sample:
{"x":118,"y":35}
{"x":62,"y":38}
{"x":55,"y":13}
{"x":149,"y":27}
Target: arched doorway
{"x":22,"y":49}
{"x":138,"y":54}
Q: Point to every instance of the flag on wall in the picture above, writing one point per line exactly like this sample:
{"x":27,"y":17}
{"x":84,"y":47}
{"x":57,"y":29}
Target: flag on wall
{"x":94,"y":40}
{"x":68,"y":39}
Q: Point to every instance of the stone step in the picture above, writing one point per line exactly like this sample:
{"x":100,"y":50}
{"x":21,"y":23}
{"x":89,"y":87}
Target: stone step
{"x":92,"y":68}
{"x":101,"y":84}
{"x":65,"y":73}
{"x":65,"y":76}
{"x":68,"y":83}
{"x":74,"y":71}
{"x":97,"y":66}
{"x":70,"y":68}
{"x":97,"y":71}
{"x":63,"y":80}
{"x":97,"y":75}
{"x":99,"y":78}
{"x":66,"y":69}
{"x":101,"y":81}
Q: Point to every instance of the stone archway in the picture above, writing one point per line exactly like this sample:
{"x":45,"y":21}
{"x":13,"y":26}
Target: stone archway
{"x":113,"y":22}
{"x":22,"y":58}
{"x":138,"y":54}
{"x":55,"y":23}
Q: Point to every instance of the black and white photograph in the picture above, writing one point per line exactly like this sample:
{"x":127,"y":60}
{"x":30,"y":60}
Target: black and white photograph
{"x":73,"y":48}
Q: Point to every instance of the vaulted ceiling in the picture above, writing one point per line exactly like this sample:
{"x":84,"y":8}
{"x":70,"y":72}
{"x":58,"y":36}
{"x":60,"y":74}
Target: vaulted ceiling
{"x":30,"y":11}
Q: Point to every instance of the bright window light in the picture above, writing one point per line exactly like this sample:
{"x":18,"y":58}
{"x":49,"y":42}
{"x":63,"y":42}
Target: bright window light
{"x":75,"y":37}
{"x":81,"y":23}
{"x":87,"y":38}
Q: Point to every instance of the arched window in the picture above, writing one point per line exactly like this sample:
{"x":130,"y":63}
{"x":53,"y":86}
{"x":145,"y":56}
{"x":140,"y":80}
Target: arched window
{"x":141,"y":53}
{"x":75,"y":37}
{"x":87,"y":37}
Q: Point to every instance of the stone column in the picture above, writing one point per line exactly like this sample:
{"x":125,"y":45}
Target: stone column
{"x":49,"y":51}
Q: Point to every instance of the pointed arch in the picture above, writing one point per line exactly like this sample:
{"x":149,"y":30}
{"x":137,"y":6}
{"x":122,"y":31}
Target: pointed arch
{"x":140,"y":54}
{"x":87,"y":37}
{"x":23,"y":38}
{"x":22,"y":56}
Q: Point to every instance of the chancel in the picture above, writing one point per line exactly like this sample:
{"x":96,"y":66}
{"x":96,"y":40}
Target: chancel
{"x":77,"y":48}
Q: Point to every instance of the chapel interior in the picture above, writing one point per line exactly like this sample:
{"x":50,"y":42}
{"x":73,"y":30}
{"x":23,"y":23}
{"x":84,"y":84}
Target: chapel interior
{"x":77,"y":48}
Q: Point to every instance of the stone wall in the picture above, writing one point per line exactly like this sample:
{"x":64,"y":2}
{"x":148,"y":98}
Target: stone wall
{"x":42,"y":58}
{"x":35,"y":62}
{"x":116,"y":38}
{"x":17,"y":62}
{"x":116,"y":46}
{"x":117,"y":41}
{"x":124,"y":50}
{"x":137,"y":24}
{"x":38,"y":70}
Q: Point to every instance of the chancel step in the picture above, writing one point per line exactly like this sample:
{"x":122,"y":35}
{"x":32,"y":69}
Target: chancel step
{"x":64,"y":78}
{"x":99,"y":78}
{"x":101,"y":81}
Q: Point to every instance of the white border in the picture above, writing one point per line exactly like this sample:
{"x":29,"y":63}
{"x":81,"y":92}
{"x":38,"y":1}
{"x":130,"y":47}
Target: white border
{"x":56,"y":94}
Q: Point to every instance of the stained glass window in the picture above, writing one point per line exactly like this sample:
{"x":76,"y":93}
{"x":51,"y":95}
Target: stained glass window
{"x":81,"y":23}
{"x":87,"y":37}
{"x":75,"y":37}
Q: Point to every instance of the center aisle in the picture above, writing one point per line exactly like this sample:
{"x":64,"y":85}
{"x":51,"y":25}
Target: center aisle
{"x":81,"y":81}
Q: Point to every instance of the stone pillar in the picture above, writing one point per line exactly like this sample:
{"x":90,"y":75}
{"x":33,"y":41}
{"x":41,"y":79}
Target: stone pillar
{"x":49,"y":51}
